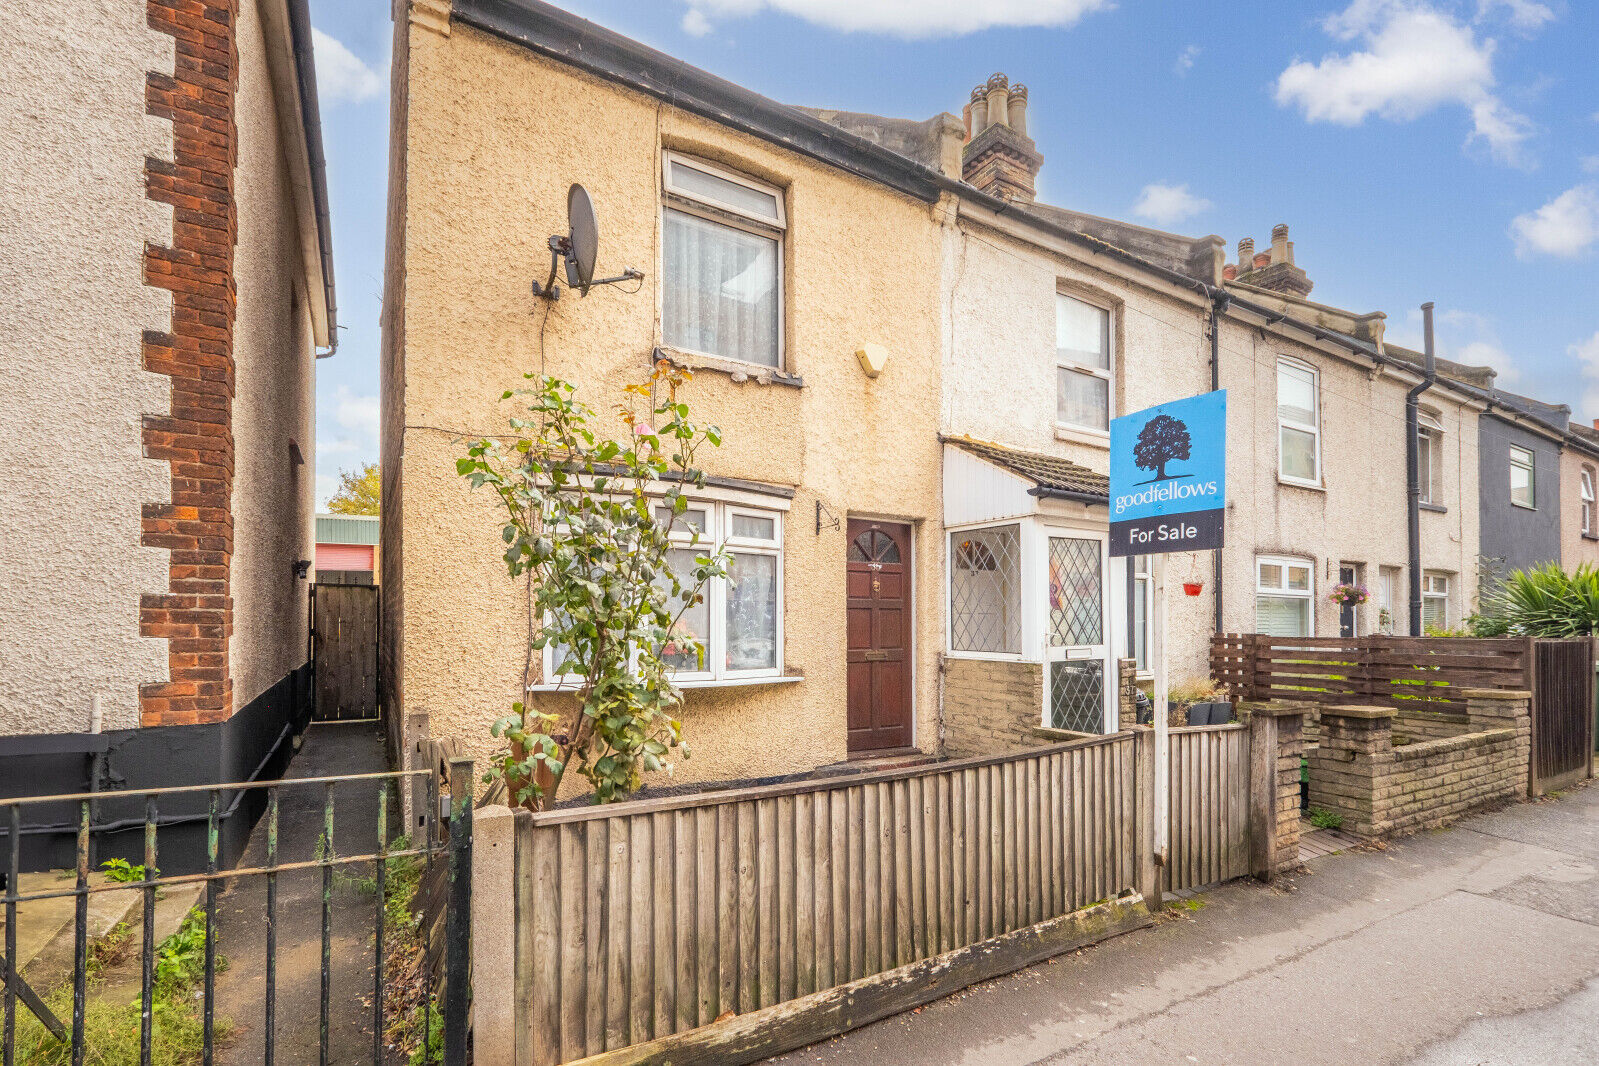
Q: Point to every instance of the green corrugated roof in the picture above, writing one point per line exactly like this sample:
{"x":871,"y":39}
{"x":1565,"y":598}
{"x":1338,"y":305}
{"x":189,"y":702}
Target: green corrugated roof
{"x":346,"y":529}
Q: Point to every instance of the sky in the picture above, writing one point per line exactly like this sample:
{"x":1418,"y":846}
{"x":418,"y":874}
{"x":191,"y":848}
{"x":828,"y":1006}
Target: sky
{"x":1443,"y":150}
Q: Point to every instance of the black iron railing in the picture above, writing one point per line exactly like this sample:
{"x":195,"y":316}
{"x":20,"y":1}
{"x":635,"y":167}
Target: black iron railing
{"x":445,"y":837}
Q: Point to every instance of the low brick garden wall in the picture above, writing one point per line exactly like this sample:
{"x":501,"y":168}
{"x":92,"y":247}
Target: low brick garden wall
{"x":993,"y":707}
{"x":1381,"y":790}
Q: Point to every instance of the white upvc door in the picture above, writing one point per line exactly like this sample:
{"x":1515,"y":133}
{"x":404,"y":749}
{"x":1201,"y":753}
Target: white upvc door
{"x":1078,"y":679}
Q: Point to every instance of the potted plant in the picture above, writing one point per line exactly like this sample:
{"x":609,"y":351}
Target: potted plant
{"x":1193,"y":588}
{"x":1199,"y":701}
{"x":1349,"y":594}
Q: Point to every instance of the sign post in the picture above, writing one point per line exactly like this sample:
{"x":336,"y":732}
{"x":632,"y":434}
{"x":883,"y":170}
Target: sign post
{"x":1168,"y":477}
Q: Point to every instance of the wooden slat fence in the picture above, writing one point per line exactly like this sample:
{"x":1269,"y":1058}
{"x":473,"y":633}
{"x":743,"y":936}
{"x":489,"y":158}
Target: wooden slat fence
{"x":648,"y":918}
{"x":1563,"y":714}
{"x":1209,"y":805}
{"x":1405,"y":673}
{"x":344,"y":651}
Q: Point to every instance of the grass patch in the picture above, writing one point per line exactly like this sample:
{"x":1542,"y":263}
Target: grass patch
{"x":111,"y":1029}
{"x":1191,"y":904}
{"x":1325,"y":819}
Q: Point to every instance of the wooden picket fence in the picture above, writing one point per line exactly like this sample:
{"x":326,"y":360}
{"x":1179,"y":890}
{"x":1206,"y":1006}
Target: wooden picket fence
{"x":1209,"y":805}
{"x":639,"y":920}
{"x":1405,"y":673}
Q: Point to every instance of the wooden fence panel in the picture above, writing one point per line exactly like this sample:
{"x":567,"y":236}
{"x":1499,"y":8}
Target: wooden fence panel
{"x":1562,"y":713}
{"x":657,"y":916}
{"x":344,"y":651}
{"x":1209,"y":805}
{"x":1405,"y":673}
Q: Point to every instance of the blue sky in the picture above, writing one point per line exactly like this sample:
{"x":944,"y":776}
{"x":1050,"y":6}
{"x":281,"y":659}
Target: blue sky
{"x":1443,"y":150}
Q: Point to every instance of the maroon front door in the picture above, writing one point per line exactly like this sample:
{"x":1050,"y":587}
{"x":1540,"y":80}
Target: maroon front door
{"x":879,"y":572}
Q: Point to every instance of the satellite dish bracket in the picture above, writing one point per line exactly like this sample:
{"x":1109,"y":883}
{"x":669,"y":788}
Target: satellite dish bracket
{"x":578,"y":249}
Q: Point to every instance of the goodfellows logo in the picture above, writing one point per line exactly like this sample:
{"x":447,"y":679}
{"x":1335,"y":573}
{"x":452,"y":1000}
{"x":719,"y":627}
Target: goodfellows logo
{"x":1198,"y":491}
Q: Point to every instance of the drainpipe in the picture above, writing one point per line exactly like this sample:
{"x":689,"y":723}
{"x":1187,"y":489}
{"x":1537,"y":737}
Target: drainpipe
{"x":1219,"y":300}
{"x":1413,"y":470}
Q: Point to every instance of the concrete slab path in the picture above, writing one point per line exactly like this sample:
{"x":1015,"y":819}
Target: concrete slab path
{"x":1476,"y":944}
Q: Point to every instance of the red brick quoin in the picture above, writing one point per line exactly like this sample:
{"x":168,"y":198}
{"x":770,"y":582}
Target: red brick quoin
{"x":195,"y":615}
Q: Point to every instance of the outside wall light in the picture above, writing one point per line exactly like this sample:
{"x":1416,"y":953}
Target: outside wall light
{"x":302,"y":568}
{"x":873,"y":357}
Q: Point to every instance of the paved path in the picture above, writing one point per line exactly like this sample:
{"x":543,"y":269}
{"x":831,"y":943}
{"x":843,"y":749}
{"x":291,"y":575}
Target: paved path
{"x":1474,"y":945}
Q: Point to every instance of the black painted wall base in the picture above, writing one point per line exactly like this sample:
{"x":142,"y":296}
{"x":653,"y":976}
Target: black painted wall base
{"x":255,"y":744}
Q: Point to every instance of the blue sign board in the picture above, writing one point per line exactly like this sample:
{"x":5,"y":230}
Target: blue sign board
{"x":1168,"y":477}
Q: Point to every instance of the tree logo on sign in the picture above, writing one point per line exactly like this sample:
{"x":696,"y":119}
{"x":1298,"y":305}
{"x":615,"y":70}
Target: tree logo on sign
{"x":1163,"y":440}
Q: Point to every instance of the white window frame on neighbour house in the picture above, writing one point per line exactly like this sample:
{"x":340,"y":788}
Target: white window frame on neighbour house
{"x":1143,"y":604}
{"x":1280,"y":588}
{"x":1429,"y":452}
{"x":1312,"y":428}
{"x":1434,"y":597}
{"x":1586,"y":482}
{"x":706,"y":207}
{"x":719,"y":519}
{"x":1066,"y":364}
{"x":1529,"y":464}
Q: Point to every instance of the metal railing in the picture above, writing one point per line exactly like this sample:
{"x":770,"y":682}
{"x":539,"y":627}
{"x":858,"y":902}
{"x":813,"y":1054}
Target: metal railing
{"x":446,"y":837}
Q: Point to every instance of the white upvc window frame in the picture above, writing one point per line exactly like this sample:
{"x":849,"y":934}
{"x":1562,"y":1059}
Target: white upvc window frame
{"x":1282,"y":590}
{"x":1435,"y":588}
{"x":675,"y":198}
{"x":1586,"y":491}
{"x":1144,"y":594}
{"x":1530,"y":465}
{"x":1313,"y":427}
{"x":1106,"y":374}
{"x":719,"y":520}
{"x":1429,"y":443}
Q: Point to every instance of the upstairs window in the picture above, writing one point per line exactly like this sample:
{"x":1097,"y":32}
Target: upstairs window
{"x":1298,"y":424}
{"x":1429,"y":453}
{"x":721,"y":263}
{"x":1083,"y":360}
{"x":1523,"y":478}
{"x":1283,"y":597}
{"x":1587,"y":501}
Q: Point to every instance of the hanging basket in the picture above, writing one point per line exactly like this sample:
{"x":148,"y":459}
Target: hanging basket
{"x":1193,"y":588}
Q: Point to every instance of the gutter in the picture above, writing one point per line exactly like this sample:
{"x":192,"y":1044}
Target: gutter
{"x":311,"y":120}
{"x":1413,"y":469}
{"x":1046,"y":493}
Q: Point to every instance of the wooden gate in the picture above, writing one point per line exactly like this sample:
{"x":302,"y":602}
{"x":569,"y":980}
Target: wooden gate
{"x":344,"y":651}
{"x":1209,"y":806}
{"x":1562,"y":713}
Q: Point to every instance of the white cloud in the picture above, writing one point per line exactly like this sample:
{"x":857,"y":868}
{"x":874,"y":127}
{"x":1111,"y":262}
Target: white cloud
{"x":1525,"y":15}
{"x":1185,"y":61}
{"x":357,"y":413}
{"x":1463,"y":336}
{"x":906,"y":18}
{"x":1411,"y":59}
{"x":1168,"y":204}
{"x":1586,"y":353}
{"x":695,"y":24}
{"x":340,"y":74}
{"x":1565,"y":227}
{"x":1590,"y":164}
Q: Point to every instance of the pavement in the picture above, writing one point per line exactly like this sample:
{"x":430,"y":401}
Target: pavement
{"x":1475,"y":945}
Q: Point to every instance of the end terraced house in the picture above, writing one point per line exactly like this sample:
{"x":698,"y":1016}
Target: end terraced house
{"x":916,"y":363}
{"x":169,"y":286}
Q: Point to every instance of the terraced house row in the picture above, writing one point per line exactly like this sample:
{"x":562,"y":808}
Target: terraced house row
{"x":915,"y":363}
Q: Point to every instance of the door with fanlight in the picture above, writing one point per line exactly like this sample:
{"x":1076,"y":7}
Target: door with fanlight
{"x":1076,"y":657}
{"x":878,"y":636}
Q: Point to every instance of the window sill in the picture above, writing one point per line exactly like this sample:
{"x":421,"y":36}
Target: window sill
{"x":1435,"y":508}
{"x":1308,"y":486}
{"x":726,"y":682}
{"x":1524,"y":506}
{"x":737,"y":369}
{"x":1590,"y":536}
{"x":1091,"y":437}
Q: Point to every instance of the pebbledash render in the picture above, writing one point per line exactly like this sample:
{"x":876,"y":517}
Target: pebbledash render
{"x":159,"y":347}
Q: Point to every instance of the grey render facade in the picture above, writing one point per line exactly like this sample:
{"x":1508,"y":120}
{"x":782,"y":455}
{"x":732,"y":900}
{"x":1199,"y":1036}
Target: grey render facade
{"x":1513,"y":533}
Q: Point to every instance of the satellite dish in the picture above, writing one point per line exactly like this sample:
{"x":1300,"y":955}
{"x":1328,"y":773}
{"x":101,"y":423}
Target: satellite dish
{"x":584,"y":239}
{"x":579,"y":249}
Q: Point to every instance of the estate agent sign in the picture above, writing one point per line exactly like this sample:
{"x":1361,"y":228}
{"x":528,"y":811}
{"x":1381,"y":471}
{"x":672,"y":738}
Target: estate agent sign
{"x":1168,"y":476}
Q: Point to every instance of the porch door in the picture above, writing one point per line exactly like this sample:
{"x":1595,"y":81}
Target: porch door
{"x":1075,"y":661}
{"x":1346,"y":611}
{"x":878,"y":651}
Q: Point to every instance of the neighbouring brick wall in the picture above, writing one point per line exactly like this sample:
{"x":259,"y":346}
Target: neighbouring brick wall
{"x":1127,"y":692}
{"x":195,"y":436}
{"x":1290,"y":752}
{"x":1430,"y":725}
{"x":991,"y":707}
{"x":1383,"y":791}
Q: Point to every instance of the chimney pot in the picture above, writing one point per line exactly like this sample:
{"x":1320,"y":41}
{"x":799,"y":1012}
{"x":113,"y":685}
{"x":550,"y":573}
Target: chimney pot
{"x":1018,"y":108}
{"x":1596,"y":423}
{"x":1262,"y":260}
{"x":1229,"y":272}
{"x":979,"y":110}
{"x":1279,"y":243}
{"x":1290,"y":253}
{"x":998,"y":100}
{"x":1246,"y":255}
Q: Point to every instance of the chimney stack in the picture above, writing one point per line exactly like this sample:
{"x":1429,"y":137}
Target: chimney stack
{"x":1274,"y":270}
{"x":999,"y":158}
